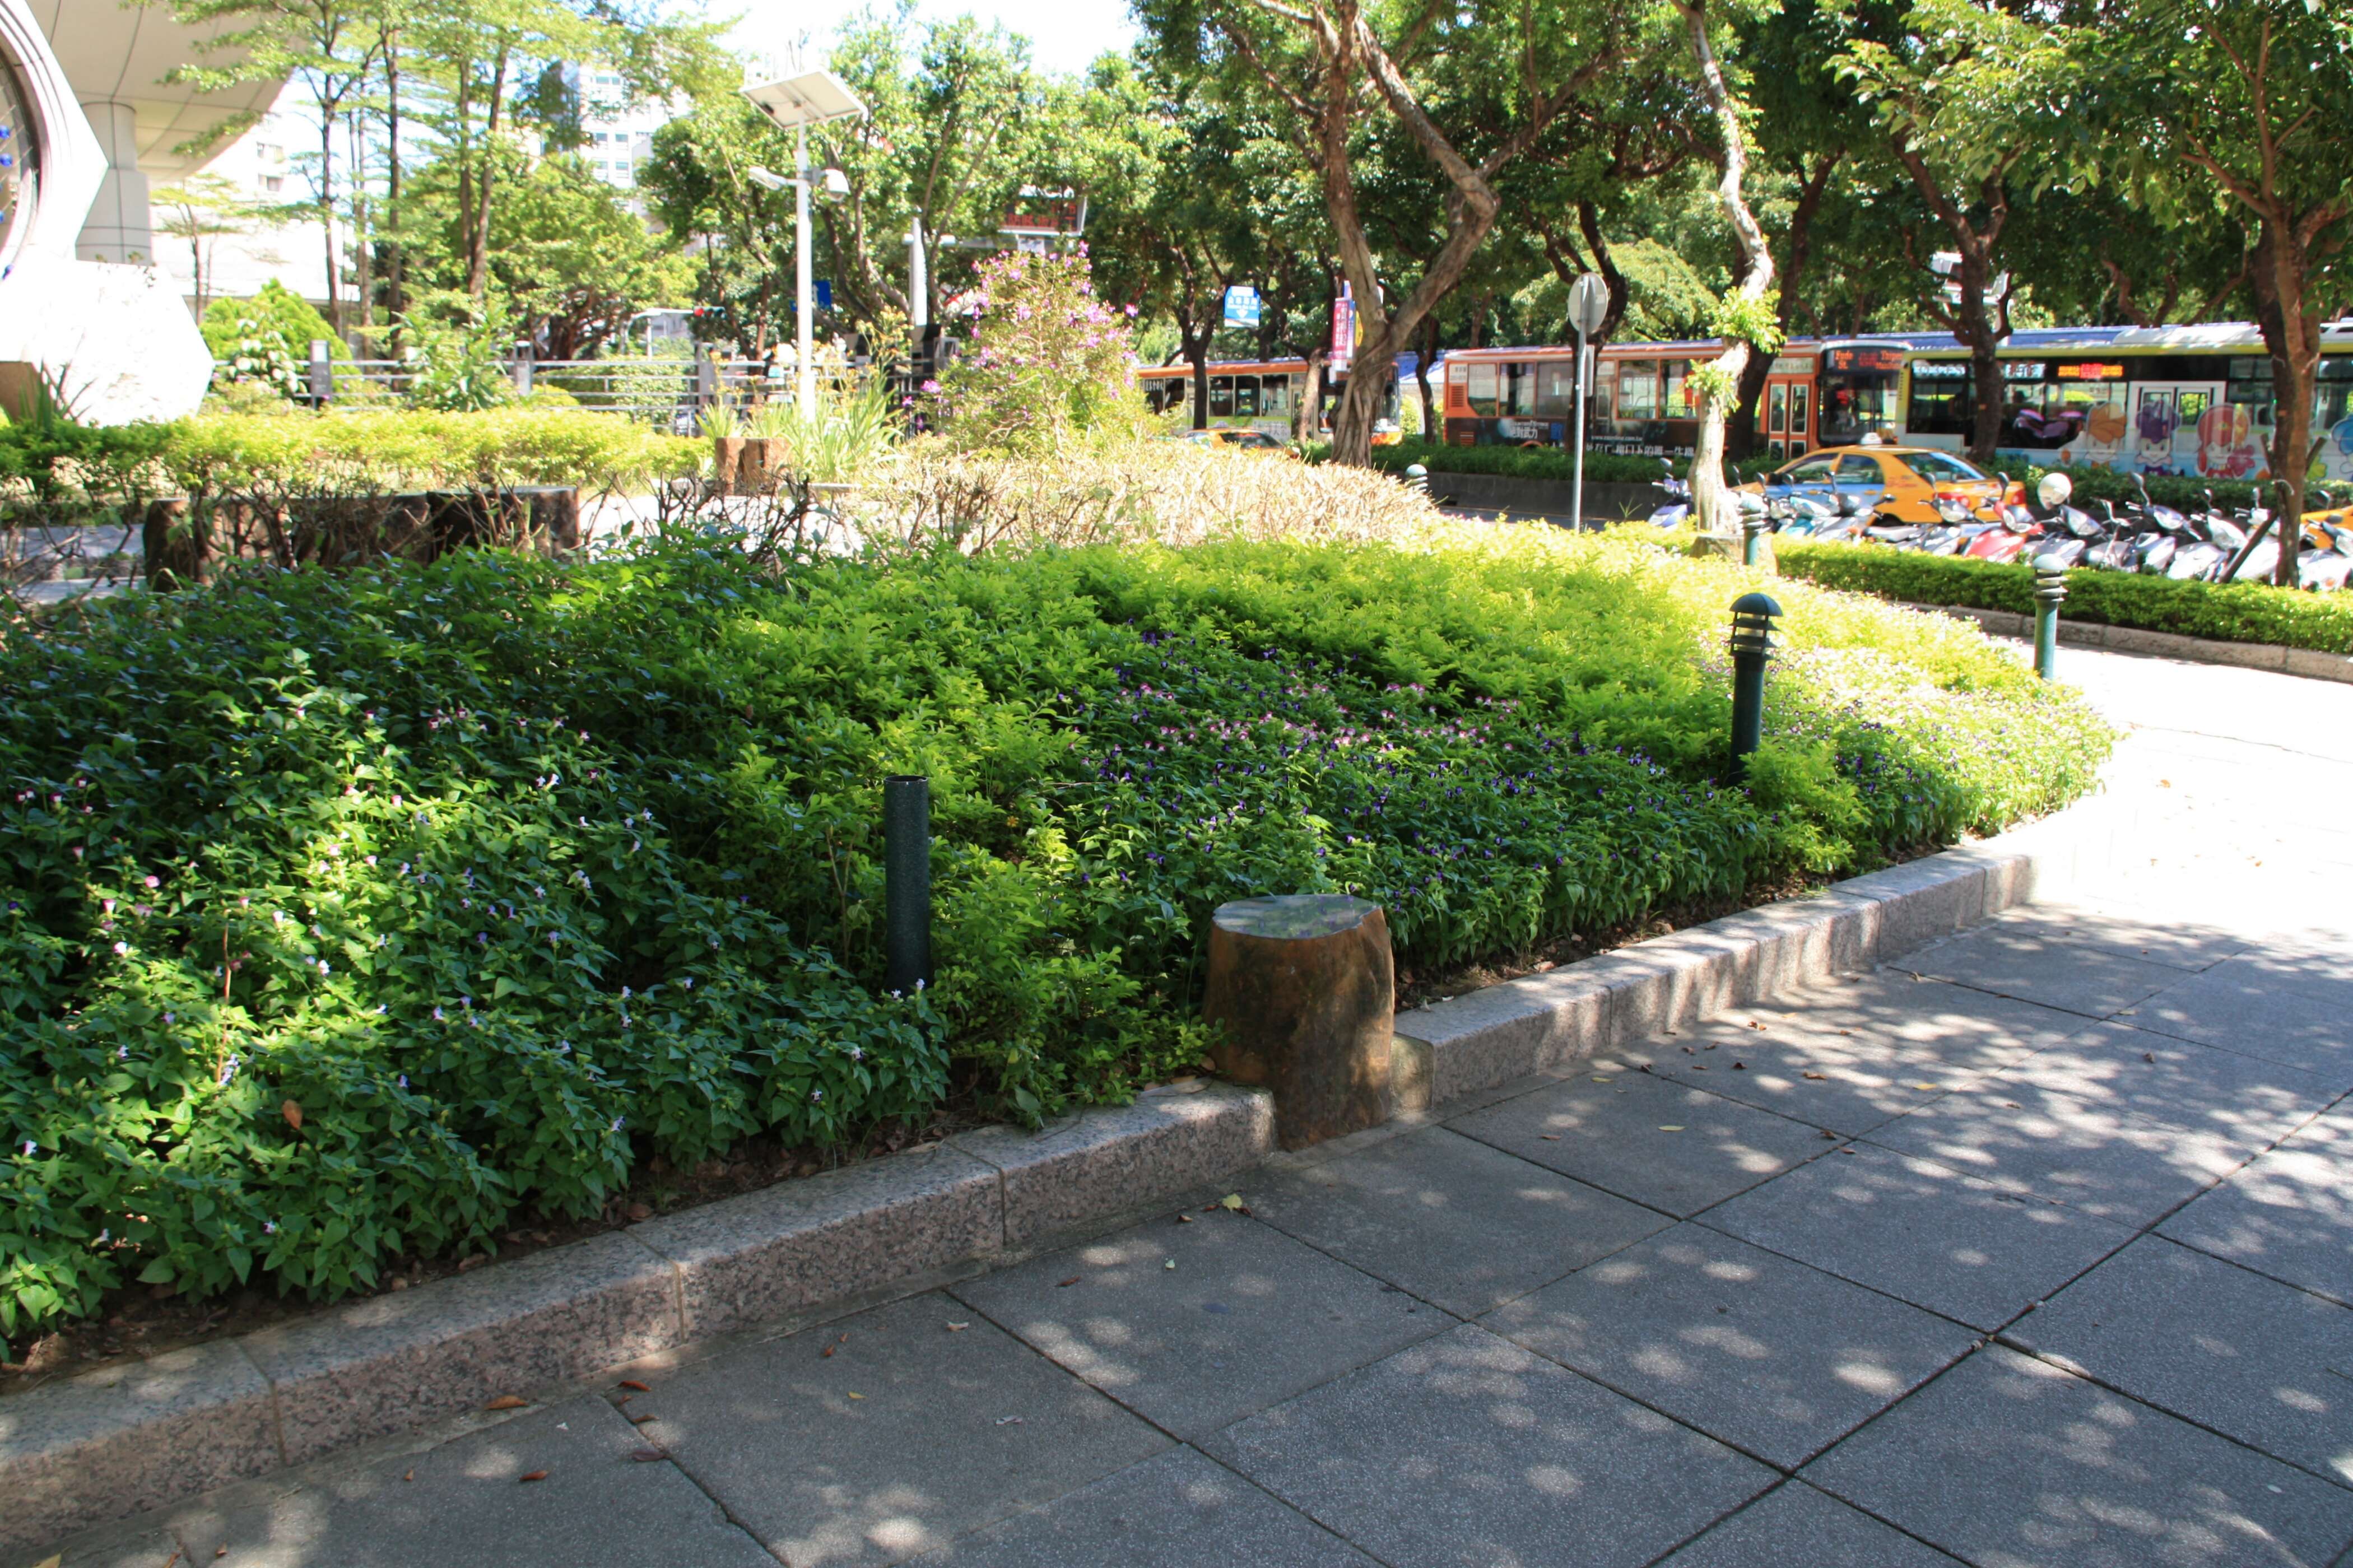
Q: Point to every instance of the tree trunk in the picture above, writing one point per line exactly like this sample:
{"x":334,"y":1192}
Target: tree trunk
{"x":2291,"y":331}
{"x":327,"y":216}
{"x":1711,"y":503}
{"x":477,"y":237}
{"x":1745,"y":438}
{"x":1307,"y":419}
{"x":1430,"y":422}
{"x":396,"y":301}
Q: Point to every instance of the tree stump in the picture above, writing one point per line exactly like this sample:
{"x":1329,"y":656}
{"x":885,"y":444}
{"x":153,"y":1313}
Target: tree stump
{"x":1305,"y":988}
{"x":174,"y":544}
{"x":727,"y":459}
{"x":763,"y":464}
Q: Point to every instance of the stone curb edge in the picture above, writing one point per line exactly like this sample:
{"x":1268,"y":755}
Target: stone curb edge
{"x":1447,"y":1049}
{"x":86,"y":1450}
{"x":2310,"y":663}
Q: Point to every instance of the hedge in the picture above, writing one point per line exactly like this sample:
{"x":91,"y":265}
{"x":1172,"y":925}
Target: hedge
{"x":417,"y":449}
{"x":2239,"y":612}
{"x":1552,"y":463}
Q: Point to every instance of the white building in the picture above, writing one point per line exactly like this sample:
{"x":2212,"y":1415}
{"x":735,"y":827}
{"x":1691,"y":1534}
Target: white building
{"x":259,"y":167}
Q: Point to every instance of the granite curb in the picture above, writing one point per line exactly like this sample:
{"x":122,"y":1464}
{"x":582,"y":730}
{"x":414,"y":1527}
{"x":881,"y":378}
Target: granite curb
{"x":89,"y":1450}
{"x":1447,"y":1049}
{"x":85,"y":1450}
{"x":2310,"y":663}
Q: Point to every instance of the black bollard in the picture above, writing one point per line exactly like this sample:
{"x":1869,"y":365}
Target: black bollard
{"x":907,"y":880}
{"x":2049,"y":587}
{"x":1753,"y":615}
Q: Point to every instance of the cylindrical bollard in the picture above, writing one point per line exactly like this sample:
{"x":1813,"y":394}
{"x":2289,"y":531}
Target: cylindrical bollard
{"x":907,"y":880}
{"x":1753,"y":615}
{"x":1417,"y":477}
{"x":2049,"y":587}
{"x":1754,"y":526}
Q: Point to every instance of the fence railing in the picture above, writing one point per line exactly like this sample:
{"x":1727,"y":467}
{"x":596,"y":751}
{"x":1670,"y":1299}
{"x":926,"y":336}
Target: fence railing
{"x":670,"y":393}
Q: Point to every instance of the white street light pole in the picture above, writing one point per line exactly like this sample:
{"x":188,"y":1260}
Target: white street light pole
{"x":798,"y":103}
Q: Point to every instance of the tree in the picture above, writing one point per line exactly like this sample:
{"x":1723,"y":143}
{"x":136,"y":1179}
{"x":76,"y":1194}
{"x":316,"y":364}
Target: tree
{"x":1328,"y":62}
{"x":1747,"y":322}
{"x":200,"y":211}
{"x":324,"y":43}
{"x":1971,"y":100}
{"x":2247,"y":102}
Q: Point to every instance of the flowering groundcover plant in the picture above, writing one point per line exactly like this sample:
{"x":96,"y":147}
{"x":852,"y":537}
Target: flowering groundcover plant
{"x":350,"y":916}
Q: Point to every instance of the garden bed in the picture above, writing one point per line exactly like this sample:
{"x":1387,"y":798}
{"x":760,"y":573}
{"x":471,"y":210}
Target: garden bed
{"x":369,"y":917}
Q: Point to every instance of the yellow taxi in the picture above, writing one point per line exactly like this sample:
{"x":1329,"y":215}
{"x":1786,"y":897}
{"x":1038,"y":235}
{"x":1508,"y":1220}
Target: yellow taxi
{"x":1904,"y":482}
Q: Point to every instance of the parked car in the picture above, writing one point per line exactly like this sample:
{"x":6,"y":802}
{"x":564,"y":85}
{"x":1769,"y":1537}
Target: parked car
{"x":1906,"y":482}
{"x":1249,"y":440}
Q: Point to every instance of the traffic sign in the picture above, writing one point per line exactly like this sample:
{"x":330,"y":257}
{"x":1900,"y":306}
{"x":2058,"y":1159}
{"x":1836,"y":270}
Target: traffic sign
{"x":1589,"y":302}
{"x":1243,"y":307}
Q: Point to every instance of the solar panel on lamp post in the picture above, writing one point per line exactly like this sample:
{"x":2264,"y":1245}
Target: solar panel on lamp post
{"x":795,"y":103}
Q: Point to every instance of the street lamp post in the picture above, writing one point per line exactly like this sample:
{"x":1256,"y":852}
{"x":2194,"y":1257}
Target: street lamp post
{"x":796,"y":103}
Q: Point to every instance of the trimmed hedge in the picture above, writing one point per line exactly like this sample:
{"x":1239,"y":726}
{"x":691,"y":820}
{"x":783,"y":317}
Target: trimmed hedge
{"x":413,"y":449}
{"x":2239,"y":612}
{"x":1534,"y":462}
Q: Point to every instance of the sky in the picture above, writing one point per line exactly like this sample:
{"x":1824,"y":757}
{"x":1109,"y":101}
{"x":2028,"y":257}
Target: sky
{"x":1065,"y":35}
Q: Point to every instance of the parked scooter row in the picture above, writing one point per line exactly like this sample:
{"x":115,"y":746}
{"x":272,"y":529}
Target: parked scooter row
{"x":2210,"y":546}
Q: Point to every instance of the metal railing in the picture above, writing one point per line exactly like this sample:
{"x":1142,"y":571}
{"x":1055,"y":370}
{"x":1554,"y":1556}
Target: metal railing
{"x":670,"y":394}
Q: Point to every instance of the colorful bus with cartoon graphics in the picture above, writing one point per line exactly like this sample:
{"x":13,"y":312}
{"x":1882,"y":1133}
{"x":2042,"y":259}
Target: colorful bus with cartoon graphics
{"x":2191,"y":400}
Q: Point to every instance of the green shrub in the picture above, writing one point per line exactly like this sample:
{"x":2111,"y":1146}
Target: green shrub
{"x":417,"y":449}
{"x":506,"y":876}
{"x":278,"y":313}
{"x":1551,"y":463}
{"x":2238,"y":612}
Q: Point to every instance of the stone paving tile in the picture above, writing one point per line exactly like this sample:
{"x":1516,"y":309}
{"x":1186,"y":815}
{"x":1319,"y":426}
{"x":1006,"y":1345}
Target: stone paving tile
{"x":1448,"y":1219}
{"x":2288,"y":1214}
{"x":1922,"y":1232}
{"x":1771,"y":1355}
{"x":1468,"y":1450}
{"x":1676,"y":1149}
{"x":2251,"y":1358}
{"x":1793,"y":1525}
{"x":1179,"y":1510}
{"x":906,"y":1434}
{"x":2295,"y":1009}
{"x":2175,"y":1083}
{"x":2009,"y":1462}
{"x":2008,"y":1131}
{"x":2034,"y":963}
{"x":140,"y":1549}
{"x":1915,"y":1015}
{"x":1247,"y":1317}
{"x":2175,"y":943}
{"x":470,"y":1503}
{"x":1848,"y":1087}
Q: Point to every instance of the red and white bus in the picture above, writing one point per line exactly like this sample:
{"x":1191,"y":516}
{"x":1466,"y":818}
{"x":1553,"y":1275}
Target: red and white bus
{"x":1254,"y":394}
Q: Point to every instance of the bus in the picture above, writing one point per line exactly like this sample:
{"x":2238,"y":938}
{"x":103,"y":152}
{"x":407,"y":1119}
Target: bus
{"x":1255,"y":395}
{"x":2193,"y":401}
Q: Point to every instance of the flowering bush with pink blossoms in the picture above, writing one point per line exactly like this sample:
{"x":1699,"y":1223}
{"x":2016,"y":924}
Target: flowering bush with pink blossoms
{"x":1050,"y":365}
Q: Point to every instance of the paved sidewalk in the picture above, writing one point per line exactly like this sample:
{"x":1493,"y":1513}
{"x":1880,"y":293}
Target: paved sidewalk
{"x":2032,"y":1248}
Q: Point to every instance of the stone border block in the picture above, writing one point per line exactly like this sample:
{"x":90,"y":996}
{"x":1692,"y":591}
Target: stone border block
{"x":1105,"y":1161}
{"x":397,"y":1362}
{"x":761,"y":1255}
{"x":2314,"y":665}
{"x":78,"y":1452}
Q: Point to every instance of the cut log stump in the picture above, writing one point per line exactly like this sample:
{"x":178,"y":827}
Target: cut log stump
{"x":1305,"y":987}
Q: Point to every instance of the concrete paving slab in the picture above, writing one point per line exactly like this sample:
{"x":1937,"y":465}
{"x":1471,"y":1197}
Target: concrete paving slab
{"x":140,"y":1549}
{"x":1676,"y":1149}
{"x":1468,"y":1450}
{"x":2030,"y":1140}
{"x":1246,"y":1318}
{"x":2036,"y":962}
{"x":2288,"y":1214}
{"x":1450,"y":1218}
{"x":1922,"y":1232}
{"x":875,"y":1438}
{"x":2174,"y":944}
{"x":1964,"y":1029}
{"x":1175,"y":1511}
{"x":469,"y":1503}
{"x":2294,"y":1011}
{"x":1794,"y":1524}
{"x":2008,"y":1460}
{"x":1771,"y":1356}
{"x":2251,"y":1358}
{"x":2174,"y":1083}
{"x":1845,"y":1086}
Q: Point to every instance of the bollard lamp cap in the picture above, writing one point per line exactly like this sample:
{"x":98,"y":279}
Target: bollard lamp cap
{"x":1754,"y":605}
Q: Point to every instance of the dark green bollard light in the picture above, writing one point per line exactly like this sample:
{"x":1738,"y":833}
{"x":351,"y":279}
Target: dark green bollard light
{"x":2050,"y":588}
{"x":907,"y":880}
{"x":1754,"y":527}
{"x":1753,"y":615}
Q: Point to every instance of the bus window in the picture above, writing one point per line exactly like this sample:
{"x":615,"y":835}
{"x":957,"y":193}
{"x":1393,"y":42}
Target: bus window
{"x":1777,"y":404}
{"x":1555,"y":389}
{"x":1221,"y":397}
{"x":1523,"y":390}
{"x":1638,"y":389}
{"x":1679,"y":399}
{"x":1245,"y":397}
{"x":1856,"y":404}
{"x":1482,"y":390}
{"x":1942,"y":402}
{"x":1275,"y":396}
